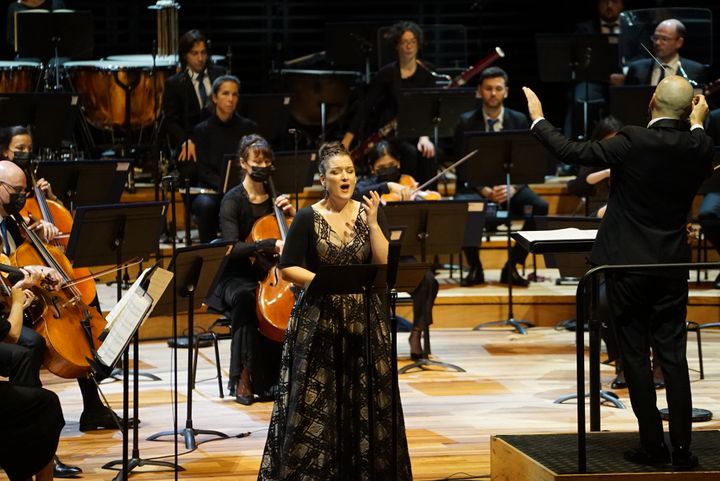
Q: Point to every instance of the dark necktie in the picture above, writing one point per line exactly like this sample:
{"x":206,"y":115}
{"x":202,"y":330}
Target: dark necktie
{"x":491,"y":124}
{"x":662,"y":71}
{"x":201,"y":89}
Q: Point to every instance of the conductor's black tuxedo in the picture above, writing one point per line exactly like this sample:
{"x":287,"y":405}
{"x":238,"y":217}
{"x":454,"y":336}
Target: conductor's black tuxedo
{"x":655,"y":173}
{"x":640,"y":71}
{"x":180,"y":105}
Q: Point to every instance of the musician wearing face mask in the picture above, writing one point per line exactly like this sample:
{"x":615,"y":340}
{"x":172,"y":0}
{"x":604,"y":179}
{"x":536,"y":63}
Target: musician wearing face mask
{"x":668,"y":39}
{"x":214,"y":138}
{"x":380,"y":105}
{"x":254,"y":359}
{"x":17,"y":142}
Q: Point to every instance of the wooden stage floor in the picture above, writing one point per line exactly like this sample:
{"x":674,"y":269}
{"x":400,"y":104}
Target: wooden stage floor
{"x":509,"y":388}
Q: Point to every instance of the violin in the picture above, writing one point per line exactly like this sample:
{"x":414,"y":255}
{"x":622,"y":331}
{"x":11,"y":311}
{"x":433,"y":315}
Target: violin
{"x":275,"y":297}
{"x":418,"y":194}
{"x":70,"y":327}
{"x":40,"y":207}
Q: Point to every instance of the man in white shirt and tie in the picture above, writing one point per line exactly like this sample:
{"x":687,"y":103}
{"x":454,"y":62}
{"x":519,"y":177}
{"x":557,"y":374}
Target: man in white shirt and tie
{"x":668,"y":39}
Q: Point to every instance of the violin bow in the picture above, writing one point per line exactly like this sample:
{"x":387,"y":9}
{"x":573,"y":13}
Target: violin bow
{"x":442,"y":172}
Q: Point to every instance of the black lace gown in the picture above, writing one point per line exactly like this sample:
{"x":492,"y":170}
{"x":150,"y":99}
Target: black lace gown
{"x":319,"y":426}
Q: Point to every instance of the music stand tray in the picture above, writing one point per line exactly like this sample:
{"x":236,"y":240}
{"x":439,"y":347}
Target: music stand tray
{"x":86,"y":182}
{"x":571,"y":265}
{"x":422,"y":110}
{"x":48,"y":113}
{"x":36,"y":34}
{"x":268,"y":111}
{"x":576,"y":57}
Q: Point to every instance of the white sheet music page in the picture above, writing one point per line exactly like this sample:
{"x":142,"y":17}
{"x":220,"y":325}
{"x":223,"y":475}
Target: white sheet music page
{"x":569,"y":234}
{"x":126,"y":321}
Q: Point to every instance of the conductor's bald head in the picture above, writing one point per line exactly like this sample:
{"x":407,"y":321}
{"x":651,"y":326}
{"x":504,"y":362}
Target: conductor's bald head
{"x":672,"y":98}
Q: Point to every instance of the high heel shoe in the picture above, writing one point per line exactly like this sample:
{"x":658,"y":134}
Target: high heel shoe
{"x":416,"y":352}
{"x":244,"y":391}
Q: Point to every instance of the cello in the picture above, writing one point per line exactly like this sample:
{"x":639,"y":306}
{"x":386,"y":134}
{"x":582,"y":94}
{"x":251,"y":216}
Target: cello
{"x":70,"y":327}
{"x":275,"y":297}
{"x":40,"y":207}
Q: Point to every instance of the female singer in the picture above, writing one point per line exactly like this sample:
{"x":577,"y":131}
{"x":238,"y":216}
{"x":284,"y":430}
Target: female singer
{"x":318,"y":429}
{"x":381,"y":102}
{"x":254,"y":359}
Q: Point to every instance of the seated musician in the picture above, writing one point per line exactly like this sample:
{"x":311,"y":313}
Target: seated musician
{"x":32,"y":417}
{"x":385,"y":168}
{"x":493,"y":116}
{"x":17,"y":140}
{"x":380,"y":105}
{"x":254,"y":359}
{"x":214,"y":138}
{"x":187,"y":93}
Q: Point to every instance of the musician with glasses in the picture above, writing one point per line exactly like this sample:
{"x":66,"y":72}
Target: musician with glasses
{"x":380,"y":105}
{"x":668,"y":39}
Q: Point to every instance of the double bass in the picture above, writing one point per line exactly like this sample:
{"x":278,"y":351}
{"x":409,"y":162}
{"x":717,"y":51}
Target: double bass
{"x":70,"y":327}
{"x":275,"y":297}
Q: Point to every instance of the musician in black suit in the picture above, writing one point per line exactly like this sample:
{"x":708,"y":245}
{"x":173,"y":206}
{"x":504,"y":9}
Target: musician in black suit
{"x":656,"y":172}
{"x":606,"y":22}
{"x":668,"y":39}
{"x":493,"y":116}
{"x":184,"y":100}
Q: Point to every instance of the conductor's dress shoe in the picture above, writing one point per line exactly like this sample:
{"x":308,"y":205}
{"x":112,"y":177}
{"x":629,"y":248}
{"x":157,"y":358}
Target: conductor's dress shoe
{"x":517,"y":279}
{"x":683,"y":459}
{"x":658,"y":456}
{"x":62,"y":470}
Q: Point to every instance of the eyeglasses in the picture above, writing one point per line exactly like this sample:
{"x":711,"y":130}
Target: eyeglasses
{"x":11,"y":188}
{"x":661,"y":38}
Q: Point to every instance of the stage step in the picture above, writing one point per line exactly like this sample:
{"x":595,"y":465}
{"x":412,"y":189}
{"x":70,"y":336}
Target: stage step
{"x":553,"y":457}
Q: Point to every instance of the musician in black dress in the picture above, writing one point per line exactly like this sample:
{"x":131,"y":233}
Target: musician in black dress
{"x":254,"y":359}
{"x":380,"y":105}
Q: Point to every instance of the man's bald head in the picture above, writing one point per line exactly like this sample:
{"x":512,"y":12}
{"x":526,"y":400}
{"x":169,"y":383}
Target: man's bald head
{"x":672,"y":98}
{"x":12,"y":174}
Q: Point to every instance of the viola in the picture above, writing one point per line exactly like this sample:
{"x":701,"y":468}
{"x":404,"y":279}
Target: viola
{"x":70,"y":327}
{"x":409,"y":182}
{"x":275,"y":296}
{"x":40,"y":207}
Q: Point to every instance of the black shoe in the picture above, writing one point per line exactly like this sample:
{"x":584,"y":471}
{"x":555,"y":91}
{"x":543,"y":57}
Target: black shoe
{"x":101,"y":419}
{"x":62,"y":470}
{"x":415,"y":341}
{"x":717,"y":282}
{"x":619,"y":381}
{"x":517,"y":279}
{"x":268,"y":395}
{"x":650,"y":457}
{"x":244,"y":393}
{"x":683,"y":459}
{"x":475,"y":276}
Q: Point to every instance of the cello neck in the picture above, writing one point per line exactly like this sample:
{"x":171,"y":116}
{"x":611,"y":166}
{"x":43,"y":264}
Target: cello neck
{"x":279,"y":214}
{"x":40,"y":197}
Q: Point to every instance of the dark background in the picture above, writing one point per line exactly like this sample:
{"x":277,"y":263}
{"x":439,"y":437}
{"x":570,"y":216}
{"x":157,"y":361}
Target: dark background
{"x":263,"y":34}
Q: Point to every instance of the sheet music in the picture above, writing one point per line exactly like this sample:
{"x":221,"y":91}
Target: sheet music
{"x":126,"y":321}
{"x":568,"y":234}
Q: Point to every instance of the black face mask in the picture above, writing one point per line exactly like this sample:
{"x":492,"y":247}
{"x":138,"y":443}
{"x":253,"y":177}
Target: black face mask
{"x":388,"y":174}
{"x":260,"y":174}
{"x":16,"y":204}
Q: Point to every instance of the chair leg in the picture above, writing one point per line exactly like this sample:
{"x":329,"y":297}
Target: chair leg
{"x":700,"y":354}
{"x":217,"y":364}
{"x":196,"y":348}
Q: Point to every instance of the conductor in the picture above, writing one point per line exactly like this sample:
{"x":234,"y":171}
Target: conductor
{"x":656,"y":172}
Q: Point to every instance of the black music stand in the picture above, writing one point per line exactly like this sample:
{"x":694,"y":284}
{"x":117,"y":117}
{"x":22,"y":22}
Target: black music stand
{"x":504,"y":155}
{"x":577,"y":58}
{"x":86,"y":182}
{"x":352,"y":46}
{"x":629,"y":103}
{"x":430,"y":228}
{"x":269,"y":112}
{"x":197,"y":270}
{"x":44,"y":112}
{"x":571,"y":265}
{"x":114,"y":234}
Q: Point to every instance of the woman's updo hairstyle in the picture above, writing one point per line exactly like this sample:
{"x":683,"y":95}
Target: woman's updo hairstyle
{"x":327,"y":151}
{"x":256,"y":143}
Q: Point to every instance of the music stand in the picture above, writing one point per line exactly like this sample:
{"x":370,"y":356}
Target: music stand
{"x":196,"y":269}
{"x":113,"y":234}
{"x":268,"y":111}
{"x":44,"y":112}
{"x":430,"y":228}
{"x":629,"y":103}
{"x":577,"y":58}
{"x":352,"y":45}
{"x":86,"y":182}
{"x":504,"y":155}
{"x":571,"y":265}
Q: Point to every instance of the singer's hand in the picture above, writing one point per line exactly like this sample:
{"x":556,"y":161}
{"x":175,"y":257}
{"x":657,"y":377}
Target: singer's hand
{"x":187,"y":151}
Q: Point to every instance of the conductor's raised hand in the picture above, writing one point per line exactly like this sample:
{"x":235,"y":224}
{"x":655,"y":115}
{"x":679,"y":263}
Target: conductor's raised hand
{"x":534,"y":106}
{"x":372,"y":203}
{"x":699,"y":111}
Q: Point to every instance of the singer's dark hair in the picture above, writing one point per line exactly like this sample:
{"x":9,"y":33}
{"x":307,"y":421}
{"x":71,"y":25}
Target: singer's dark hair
{"x":257,"y":144}
{"x":330,"y":150}
{"x":493,"y":72}
{"x":188,"y":41}
{"x":217,"y":83}
{"x":397,"y":30}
